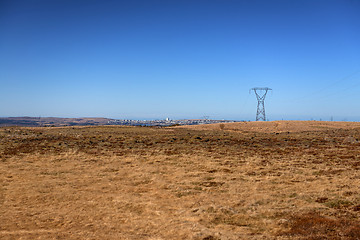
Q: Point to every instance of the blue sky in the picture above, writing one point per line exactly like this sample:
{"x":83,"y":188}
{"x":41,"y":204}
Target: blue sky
{"x":180,"y":59}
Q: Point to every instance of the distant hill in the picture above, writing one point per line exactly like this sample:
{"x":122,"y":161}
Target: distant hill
{"x":60,"y":122}
{"x":51,"y":121}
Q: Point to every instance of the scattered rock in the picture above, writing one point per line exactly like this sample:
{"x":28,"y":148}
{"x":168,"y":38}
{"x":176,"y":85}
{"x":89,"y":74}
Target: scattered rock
{"x":210,"y":237}
{"x":350,"y":140}
{"x":283,"y":221}
{"x":211,"y":184}
{"x":321,"y":199}
{"x":328,"y":139}
{"x":357,"y":208}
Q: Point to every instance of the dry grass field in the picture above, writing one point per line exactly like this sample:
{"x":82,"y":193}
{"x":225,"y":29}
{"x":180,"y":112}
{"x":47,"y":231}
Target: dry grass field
{"x":270,"y":180}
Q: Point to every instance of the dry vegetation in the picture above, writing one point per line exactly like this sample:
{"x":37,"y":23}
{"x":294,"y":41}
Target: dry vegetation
{"x":278,"y":180}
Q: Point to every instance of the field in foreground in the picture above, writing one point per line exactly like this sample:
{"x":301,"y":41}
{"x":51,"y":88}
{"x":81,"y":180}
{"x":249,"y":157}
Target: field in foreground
{"x":244,"y":181}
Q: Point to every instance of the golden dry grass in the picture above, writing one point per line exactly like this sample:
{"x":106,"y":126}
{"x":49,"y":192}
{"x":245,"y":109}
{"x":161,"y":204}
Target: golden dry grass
{"x":277,"y":126}
{"x":181,"y":183}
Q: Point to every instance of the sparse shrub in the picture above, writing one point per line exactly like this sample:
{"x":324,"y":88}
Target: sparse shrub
{"x":338,"y":203}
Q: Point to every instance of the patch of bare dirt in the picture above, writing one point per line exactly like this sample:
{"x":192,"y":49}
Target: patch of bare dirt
{"x":313,"y":225}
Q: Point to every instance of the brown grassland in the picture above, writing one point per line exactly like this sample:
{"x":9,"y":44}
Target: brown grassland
{"x":270,"y":180}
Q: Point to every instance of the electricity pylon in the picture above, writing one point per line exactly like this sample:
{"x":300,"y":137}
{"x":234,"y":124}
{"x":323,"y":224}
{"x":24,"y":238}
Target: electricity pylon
{"x":260,"y":95}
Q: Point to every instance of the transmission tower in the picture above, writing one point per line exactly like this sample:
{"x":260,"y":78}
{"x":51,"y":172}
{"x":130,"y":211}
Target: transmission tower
{"x":260,"y":95}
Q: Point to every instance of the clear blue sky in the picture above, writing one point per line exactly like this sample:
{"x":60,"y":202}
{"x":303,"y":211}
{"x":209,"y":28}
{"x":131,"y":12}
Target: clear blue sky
{"x":153,"y":59}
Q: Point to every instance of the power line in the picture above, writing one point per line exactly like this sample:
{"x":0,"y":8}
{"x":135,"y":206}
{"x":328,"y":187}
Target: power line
{"x":341,"y":91}
{"x":328,"y":86}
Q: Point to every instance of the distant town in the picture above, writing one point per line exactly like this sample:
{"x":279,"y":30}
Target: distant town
{"x":61,"y":122}
{"x":166,"y":122}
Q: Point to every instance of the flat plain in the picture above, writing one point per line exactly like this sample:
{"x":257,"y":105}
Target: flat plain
{"x":248,"y":180}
